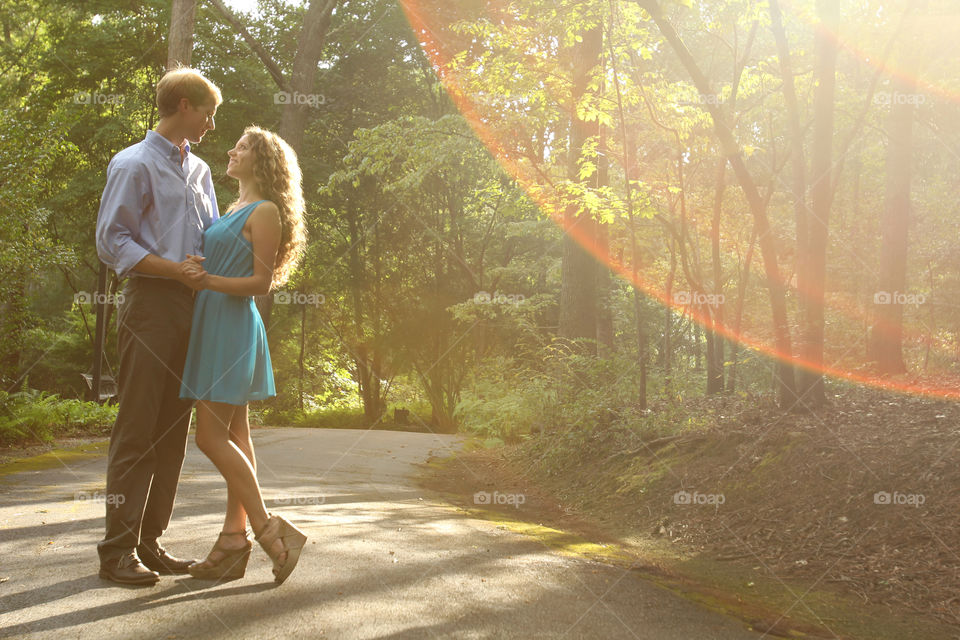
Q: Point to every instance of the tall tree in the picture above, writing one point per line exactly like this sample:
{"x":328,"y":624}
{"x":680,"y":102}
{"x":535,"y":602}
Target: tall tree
{"x":715,"y":342}
{"x":786,"y":389}
{"x":886,"y":338}
{"x":297,"y":93}
{"x":578,"y":294}
{"x":796,"y":142}
{"x":814,"y":260}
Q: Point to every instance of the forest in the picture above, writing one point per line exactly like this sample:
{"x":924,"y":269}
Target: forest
{"x":498,"y":192}
{"x":568,"y":228}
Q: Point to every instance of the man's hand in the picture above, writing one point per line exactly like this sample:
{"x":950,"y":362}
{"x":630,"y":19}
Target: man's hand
{"x":192,"y":273}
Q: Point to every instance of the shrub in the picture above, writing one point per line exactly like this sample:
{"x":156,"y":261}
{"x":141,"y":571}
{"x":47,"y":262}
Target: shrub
{"x":31,"y":415}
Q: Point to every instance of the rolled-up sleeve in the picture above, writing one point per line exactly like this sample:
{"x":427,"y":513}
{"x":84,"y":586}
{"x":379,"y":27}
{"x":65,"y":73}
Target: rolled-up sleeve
{"x":119,"y":219}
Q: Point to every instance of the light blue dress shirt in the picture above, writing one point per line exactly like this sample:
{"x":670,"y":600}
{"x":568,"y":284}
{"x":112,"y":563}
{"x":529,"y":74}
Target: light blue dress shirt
{"x":154,"y":204}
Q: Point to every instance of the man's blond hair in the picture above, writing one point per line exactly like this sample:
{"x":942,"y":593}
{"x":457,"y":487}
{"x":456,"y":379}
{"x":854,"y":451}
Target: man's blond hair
{"x":188,"y":83}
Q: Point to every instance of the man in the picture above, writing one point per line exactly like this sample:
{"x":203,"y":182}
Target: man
{"x":157,"y":201}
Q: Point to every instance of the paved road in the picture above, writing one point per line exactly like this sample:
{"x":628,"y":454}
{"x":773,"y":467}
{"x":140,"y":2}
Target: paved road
{"x":384,"y":559}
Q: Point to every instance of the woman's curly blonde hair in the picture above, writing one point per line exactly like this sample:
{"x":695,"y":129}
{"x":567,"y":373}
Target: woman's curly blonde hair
{"x":277,"y":172}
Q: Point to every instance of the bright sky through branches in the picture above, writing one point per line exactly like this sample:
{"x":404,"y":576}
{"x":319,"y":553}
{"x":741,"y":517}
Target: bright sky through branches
{"x":244,"y":6}
{"x":250,"y":6}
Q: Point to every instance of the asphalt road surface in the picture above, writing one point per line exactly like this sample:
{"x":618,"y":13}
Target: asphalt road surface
{"x":384,"y":559}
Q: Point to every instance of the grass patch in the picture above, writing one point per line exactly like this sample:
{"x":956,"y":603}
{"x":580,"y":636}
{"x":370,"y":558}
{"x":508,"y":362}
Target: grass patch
{"x":344,"y":418}
{"x":58,"y":456}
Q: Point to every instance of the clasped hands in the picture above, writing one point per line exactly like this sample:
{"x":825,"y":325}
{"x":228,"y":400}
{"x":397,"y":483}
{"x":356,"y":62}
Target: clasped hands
{"x":192,"y":272}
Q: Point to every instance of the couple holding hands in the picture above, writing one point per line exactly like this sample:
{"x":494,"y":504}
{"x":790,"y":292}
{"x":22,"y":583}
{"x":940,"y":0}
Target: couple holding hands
{"x":189,"y":332}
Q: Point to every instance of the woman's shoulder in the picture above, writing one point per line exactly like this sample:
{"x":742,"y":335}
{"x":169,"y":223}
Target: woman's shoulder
{"x":265,"y":210}
{"x":265,"y":205}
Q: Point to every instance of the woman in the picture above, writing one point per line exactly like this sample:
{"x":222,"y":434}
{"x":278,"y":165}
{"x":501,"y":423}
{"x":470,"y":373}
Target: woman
{"x":249,"y":251}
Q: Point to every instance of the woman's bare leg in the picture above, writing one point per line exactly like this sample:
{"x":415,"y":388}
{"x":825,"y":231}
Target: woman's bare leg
{"x":214,"y":438}
{"x":236,"y":517}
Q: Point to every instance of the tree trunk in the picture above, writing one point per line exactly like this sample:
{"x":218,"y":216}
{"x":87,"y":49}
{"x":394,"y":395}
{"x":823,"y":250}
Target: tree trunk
{"x":810,"y":390}
{"x":697,"y":344}
{"x":297,"y":95}
{"x":14,"y":321}
{"x":303,"y":78}
{"x":303,"y":351}
{"x":629,"y":162}
{"x":886,"y":338}
{"x":667,"y":354}
{"x":605,"y":281}
{"x":366,"y":355}
{"x":180,"y":40}
{"x":738,"y":322}
{"x":797,"y":161}
{"x":297,"y":105}
{"x":578,"y":292}
{"x":715,"y":349}
{"x":605,"y":290}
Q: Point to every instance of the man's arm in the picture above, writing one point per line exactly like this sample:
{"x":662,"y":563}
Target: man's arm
{"x":185,"y":272}
{"x":212,"y":194}
{"x":118,"y":222}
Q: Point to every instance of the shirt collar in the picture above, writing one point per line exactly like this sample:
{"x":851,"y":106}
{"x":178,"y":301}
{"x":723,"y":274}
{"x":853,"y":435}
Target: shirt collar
{"x":164,"y":146}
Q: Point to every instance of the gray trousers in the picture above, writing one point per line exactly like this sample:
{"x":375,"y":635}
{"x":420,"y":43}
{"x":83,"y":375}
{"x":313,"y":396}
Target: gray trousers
{"x":149,"y":438}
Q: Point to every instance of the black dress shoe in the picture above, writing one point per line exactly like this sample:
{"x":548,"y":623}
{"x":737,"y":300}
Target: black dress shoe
{"x":156,"y":558}
{"x":127,"y":569}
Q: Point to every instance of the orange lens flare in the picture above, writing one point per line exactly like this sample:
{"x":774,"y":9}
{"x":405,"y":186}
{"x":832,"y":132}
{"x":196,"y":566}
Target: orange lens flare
{"x":426,"y":23}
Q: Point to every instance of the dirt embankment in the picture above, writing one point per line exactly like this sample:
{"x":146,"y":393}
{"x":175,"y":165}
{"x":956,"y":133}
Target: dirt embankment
{"x":839,"y":523}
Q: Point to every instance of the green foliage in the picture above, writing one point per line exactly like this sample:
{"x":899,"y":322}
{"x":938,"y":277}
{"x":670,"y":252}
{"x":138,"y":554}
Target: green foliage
{"x":30,"y":415}
{"x":354,"y":418}
{"x":458,"y":235}
{"x":505,"y":407}
{"x":558,"y":391}
{"x":555,"y":388}
{"x":433,"y":246}
{"x":332,"y":418}
{"x":60,"y":350}
{"x":28,"y":156}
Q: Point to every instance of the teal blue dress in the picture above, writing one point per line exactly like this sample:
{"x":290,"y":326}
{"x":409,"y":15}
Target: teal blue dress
{"x":227,"y":359}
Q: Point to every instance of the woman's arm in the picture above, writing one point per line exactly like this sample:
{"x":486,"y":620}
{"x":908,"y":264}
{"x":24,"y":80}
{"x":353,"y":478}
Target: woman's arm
{"x":265,"y":229}
{"x":190,"y":272}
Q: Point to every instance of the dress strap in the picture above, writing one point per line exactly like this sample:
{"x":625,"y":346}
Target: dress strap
{"x":247,"y":206}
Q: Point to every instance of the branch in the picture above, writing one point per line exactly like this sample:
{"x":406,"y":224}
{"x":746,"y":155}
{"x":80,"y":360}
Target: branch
{"x":272,"y":67}
{"x":755,"y":201}
{"x":868,"y":101}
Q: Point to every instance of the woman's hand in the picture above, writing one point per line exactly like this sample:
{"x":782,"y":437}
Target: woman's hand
{"x":192,"y":273}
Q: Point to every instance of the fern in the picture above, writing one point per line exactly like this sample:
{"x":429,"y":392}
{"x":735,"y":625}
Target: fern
{"x":33,"y":415}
